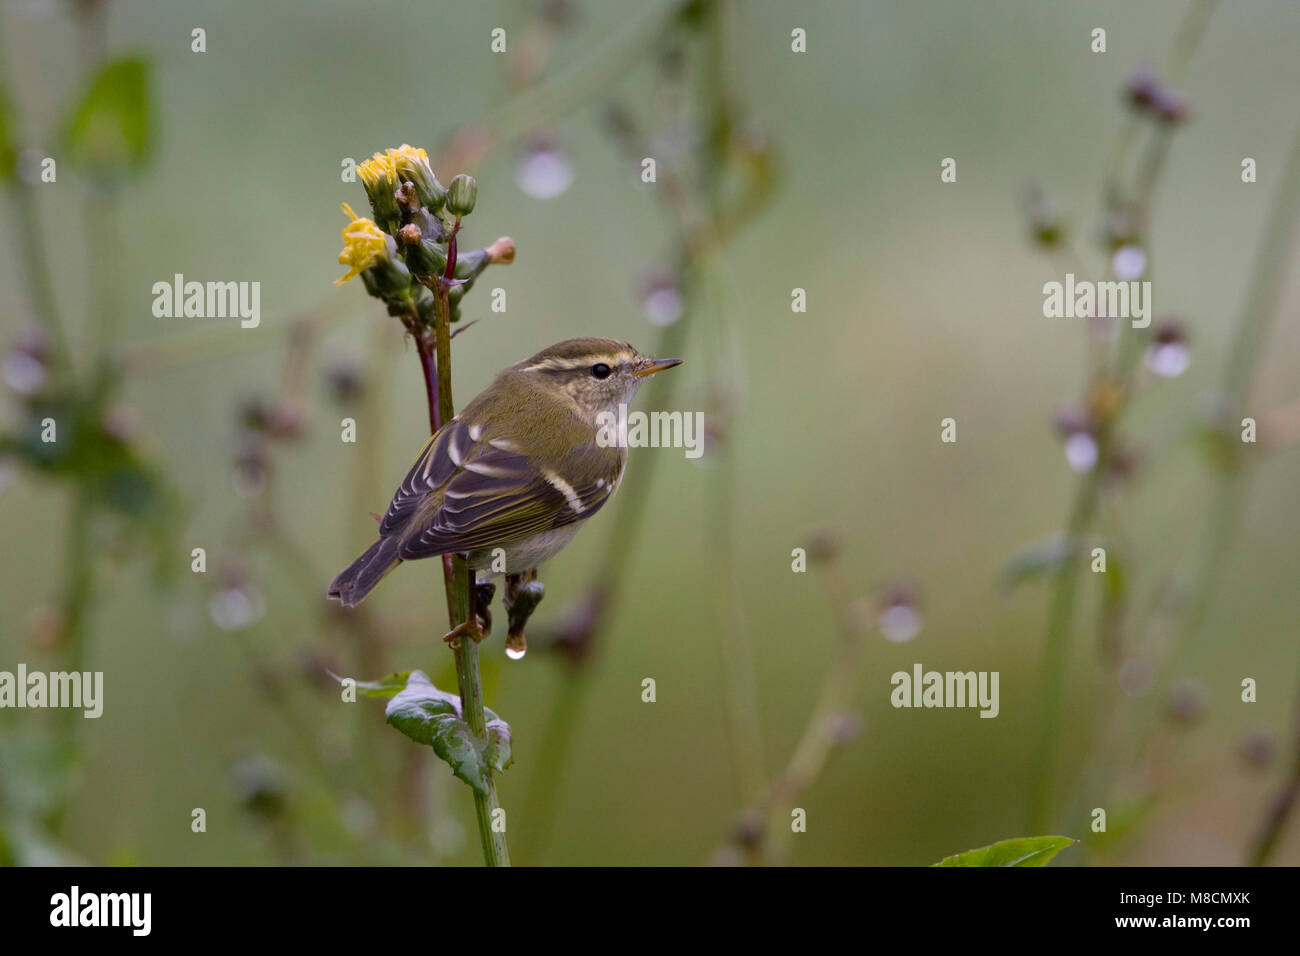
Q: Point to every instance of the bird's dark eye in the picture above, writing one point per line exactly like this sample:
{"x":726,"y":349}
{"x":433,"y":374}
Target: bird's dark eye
{"x":600,"y":370}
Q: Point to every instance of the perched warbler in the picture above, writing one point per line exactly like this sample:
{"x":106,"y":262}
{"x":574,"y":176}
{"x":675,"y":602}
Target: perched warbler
{"x":520,"y":468}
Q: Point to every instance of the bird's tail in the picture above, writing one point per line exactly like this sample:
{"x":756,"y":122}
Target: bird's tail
{"x":360,"y":577}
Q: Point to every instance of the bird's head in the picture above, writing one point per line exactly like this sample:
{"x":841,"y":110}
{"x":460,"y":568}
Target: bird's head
{"x":595,"y":374}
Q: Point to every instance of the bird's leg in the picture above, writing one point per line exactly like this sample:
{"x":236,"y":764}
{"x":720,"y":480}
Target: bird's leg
{"x":480,"y":612}
{"x":484,"y":591}
{"x":523,"y":593}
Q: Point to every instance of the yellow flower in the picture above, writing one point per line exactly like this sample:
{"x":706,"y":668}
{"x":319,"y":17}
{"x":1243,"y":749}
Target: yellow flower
{"x":411,"y":164}
{"x":363,"y":244}
{"x":406,"y":154}
{"x":378,"y":171}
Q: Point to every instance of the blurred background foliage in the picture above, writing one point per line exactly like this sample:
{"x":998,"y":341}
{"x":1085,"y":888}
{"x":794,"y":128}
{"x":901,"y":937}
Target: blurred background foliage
{"x":924,"y":302}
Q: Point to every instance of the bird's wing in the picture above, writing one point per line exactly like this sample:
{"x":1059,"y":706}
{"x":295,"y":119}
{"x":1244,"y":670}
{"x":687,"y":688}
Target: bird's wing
{"x":432,"y":469}
{"x":484,"y":493}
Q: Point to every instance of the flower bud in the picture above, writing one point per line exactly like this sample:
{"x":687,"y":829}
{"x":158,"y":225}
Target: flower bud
{"x":1170,"y":107}
{"x":461,"y":195}
{"x":412,"y":165}
{"x":1258,"y":749}
{"x":1045,"y":220}
{"x":1187,"y":702}
{"x":423,"y":256}
{"x":1142,"y":90}
{"x":346,"y":379}
{"x":822,"y":546}
{"x":501,"y":252}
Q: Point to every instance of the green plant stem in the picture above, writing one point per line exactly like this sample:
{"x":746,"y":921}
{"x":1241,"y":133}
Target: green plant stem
{"x":579,"y":82}
{"x":1088,"y":493}
{"x":1259,"y":313}
{"x":36,"y":270}
{"x":770,"y":809}
{"x":1060,"y":619}
{"x":376,"y":397}
{"x":457,"y":576}
{"x":1282,"y":805}
{"x":29,"y":239}
{"x":819,"y":737}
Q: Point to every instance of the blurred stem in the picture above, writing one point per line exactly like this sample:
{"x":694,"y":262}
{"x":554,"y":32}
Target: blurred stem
{"x":1190,"y":33}
{"x":1089,"y":490}
{"x":457,"y":575}
{"x":820,"y":735}
{"x":1283,"y":803}
{"x":743,"y":717}
{"x":583,"y":81}
{"x":699,"y":237}
{"x":1259,"y":313}
{"x":106,"y":307}
{"x":1060,"y":618}
{"x":30,"y":240}
{"x":744,"y":722}
{"x":376,"y":398}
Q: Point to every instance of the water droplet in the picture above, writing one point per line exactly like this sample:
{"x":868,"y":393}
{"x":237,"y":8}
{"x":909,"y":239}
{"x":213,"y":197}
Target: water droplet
{"x":233,"y":609}
{"x":1168,"y":359}
{"x":1081,"y":451}
{"x":23,"y":372}
{"x":1129,"y":263}
{"x":900,"y":623}
{"x":663,"y":305}
{"x":516,"y":654}
{"x":544,"y":172}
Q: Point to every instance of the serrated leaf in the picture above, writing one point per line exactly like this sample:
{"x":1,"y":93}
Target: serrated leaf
{"x":1025,"y":851}
{"x":109,"y":131}
{"x":387,"y":686}
{"x":431,"y":716}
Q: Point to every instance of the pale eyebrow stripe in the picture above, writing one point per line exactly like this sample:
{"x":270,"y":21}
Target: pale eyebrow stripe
{"x":572,"y":365}
{"x":564,"y":488}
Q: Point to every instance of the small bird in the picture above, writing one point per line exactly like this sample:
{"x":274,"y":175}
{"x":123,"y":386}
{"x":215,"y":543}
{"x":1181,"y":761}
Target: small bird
{"x":520,"y":469}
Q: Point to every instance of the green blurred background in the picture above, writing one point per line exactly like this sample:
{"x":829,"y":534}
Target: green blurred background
{"x":924,"y":302}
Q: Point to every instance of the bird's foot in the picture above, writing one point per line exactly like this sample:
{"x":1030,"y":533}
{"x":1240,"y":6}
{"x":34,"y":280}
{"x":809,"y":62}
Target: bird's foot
{"x":523,"y":593}
{"x":478,"y":630}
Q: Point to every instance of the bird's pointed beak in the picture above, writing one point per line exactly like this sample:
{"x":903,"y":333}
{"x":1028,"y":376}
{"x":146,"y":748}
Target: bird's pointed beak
{"x":650,"y":366}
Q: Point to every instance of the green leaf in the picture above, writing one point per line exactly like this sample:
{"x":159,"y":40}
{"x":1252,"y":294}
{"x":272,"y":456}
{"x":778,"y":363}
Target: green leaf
{"x":110,"y":130}
{"x":431,"y":716}
{"x":497,"y":750}
{"x":387,"y":686}
{"x":1026,"y":851}
{"x":1040,"y":559}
